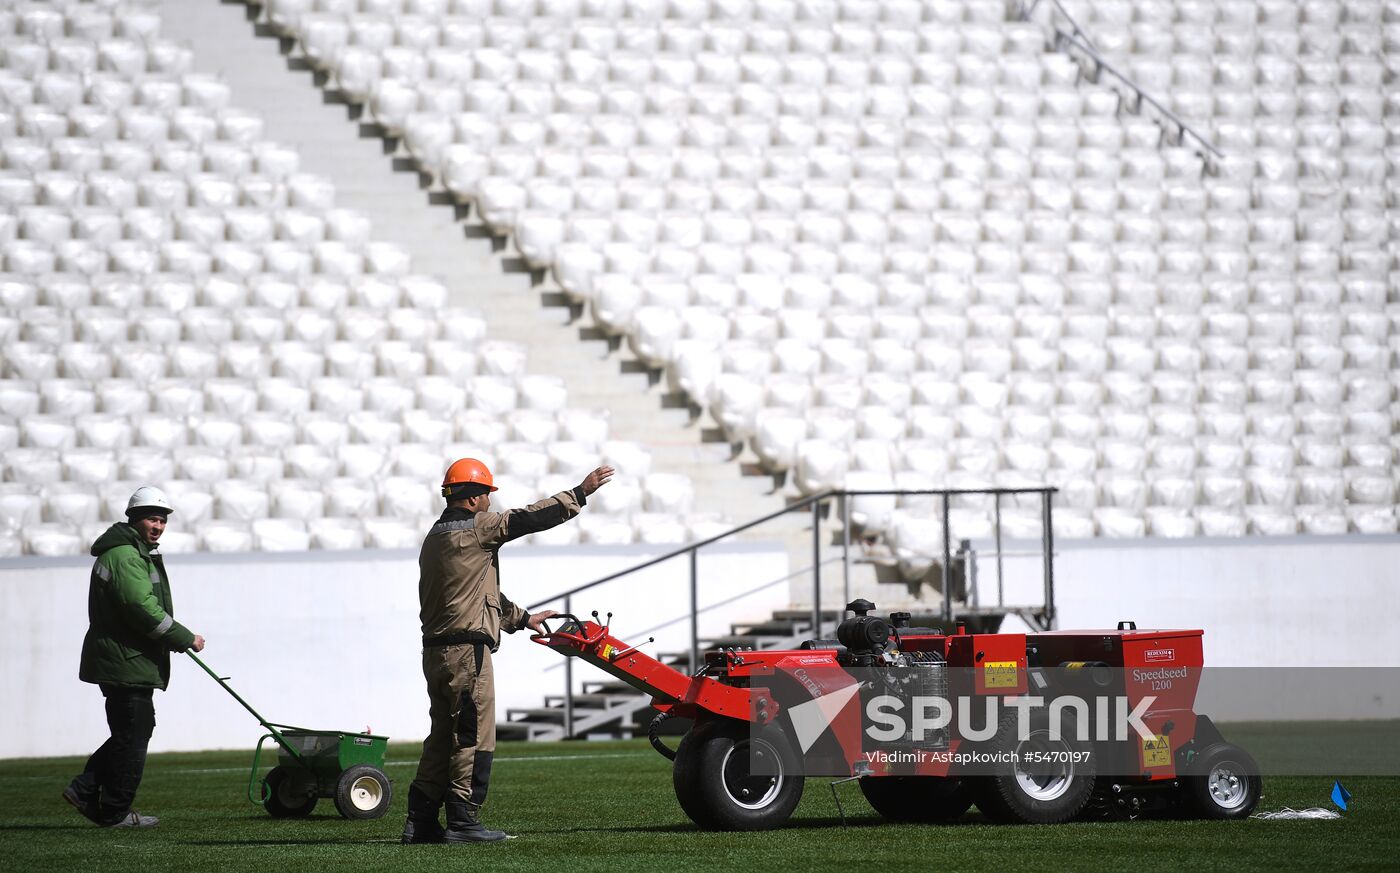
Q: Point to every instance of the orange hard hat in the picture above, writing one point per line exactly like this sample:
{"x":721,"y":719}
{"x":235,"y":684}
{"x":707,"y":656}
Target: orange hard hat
{"x":466,"y":471}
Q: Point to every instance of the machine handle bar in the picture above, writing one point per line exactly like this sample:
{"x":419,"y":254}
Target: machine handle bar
{"x":547,"y":636}
{"x":272,"y":728}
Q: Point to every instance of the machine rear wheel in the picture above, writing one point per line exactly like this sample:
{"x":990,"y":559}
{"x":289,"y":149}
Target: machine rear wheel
{"x":1224,"y":782}
{"x":732,"y":776}
{"x":291,"y":793}
{"x":1044,"y":779}
{"x":363,"y":792}
{"x":924,"y":799}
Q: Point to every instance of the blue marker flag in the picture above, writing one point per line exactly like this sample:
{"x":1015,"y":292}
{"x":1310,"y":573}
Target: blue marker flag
{"x":1340,"y":795}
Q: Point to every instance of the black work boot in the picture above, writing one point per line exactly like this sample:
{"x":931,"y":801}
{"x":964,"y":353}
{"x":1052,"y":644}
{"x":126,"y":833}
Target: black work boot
{"x":464,"y":826}
{"x":422,"y":825}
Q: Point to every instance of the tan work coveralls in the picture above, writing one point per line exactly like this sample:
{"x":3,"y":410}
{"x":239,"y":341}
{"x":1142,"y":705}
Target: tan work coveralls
{"x":463,"y":612}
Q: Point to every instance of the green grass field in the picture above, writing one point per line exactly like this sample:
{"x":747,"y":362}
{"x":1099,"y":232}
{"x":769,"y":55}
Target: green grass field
{"x":609,"y":806}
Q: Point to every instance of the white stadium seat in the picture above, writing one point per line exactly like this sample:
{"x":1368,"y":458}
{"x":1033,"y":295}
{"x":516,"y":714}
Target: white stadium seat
{"x":874,"y":239}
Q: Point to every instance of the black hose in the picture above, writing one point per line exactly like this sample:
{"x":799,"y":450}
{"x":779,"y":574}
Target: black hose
{"x":655,"y":738}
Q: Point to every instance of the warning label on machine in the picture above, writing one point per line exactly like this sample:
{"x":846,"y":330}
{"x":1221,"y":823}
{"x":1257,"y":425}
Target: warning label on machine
{"x":999,"y":674}
{"x":1156,"y":752}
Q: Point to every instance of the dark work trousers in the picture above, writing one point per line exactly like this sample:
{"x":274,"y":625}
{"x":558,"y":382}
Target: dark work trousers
{"x":461,"y":743}
{"x":113,"y":773}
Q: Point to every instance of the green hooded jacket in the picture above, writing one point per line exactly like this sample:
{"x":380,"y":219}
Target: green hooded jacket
{"x":131,"y":625}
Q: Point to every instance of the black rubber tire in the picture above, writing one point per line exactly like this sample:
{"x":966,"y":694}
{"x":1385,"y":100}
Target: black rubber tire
{"x":712,"y":764}
{"x":923,"y":799}
{"x":1233,"y":798}
{"x":1067,"y":788}
{"x":363,"y":792}
{"x":291,"y":793}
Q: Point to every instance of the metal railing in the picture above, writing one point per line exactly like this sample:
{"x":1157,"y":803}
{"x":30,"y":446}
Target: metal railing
{"x":1077,"y":38}
{"x":814,"y":504}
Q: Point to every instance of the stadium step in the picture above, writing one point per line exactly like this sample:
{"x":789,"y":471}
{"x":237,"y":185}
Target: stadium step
{"x":268,"y":75}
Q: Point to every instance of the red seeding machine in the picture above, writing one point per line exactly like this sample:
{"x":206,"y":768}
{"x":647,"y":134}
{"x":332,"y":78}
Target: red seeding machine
{"x":1029,"y":727}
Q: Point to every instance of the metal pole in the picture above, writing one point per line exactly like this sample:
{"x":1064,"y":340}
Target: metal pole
{"x":694,"y":611}
{"x":1000,"y":598}
{"x":568,"y":684}
{"x":845,"y":548}
{"x":816,"y":570}
{"x":947,"y":562}
{"x":1047,"y":545}
{"x":970,"y":572}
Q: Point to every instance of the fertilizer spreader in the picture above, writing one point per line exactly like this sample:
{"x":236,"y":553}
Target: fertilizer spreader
{"x":345,"y":766}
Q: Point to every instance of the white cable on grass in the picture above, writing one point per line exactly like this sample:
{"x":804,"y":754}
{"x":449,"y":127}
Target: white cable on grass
{"x":1289,"y":814}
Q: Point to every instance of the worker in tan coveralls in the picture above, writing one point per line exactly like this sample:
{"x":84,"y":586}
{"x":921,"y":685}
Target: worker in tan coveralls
{"x":463,"y":613}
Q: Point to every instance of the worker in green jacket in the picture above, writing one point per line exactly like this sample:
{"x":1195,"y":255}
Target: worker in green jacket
{"x":131,"y":632}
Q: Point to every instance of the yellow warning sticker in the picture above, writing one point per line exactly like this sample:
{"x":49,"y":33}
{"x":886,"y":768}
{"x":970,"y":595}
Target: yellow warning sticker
{"x":999,"y":674}
{"x":1156,"y":752}
{"x":606,"y":651}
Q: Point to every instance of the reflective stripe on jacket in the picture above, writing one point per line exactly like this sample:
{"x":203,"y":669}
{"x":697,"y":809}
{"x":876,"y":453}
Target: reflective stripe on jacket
{"x":131,"y":620}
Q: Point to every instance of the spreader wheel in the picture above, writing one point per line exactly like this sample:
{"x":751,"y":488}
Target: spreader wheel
{"x":1224,"y":782}
{"x":1041,"y":777}
{"x":363,"y":792}
{"x":923,"y":799}
{"x":291,"y":793}
{"x":733,"y":776}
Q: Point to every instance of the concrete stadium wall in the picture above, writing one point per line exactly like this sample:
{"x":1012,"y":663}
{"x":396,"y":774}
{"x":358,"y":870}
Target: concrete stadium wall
{"x":1298,"y":602}
{"x":331,"y":641}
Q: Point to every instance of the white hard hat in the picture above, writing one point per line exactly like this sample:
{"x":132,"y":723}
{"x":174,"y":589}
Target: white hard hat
{"x":148,"y":497}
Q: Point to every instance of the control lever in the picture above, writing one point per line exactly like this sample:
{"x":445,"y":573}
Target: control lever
{"x":630,"y":649}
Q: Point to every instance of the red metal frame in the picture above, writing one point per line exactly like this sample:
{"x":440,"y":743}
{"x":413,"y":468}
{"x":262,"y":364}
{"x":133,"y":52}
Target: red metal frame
{"x":1164,"y":664}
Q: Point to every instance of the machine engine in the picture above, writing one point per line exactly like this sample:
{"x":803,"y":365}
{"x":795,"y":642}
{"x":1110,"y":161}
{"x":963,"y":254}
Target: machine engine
{"x":872,"y":647}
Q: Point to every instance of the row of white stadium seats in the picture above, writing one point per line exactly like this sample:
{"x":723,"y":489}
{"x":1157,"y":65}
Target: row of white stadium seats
{"x":766,"y":306}
{"x":397,"y":301}
{"x":160,"y":193}
{"x":329,"y":35}
{"x":37,"y":233}
{"x":210,"y":226}
{"x":142,"y":385}
{"x":76,"y":80}
{"x":149,"y":127}
{"x":1237,"y":14}
{"x":131,"y":58}
{"x":910,"y":191}
{"x":294,"y":535}
{"x":1170,"y":274}
{"x":91,"y":349}
{"x":1223,"y":364}
{"x":913,"y":545}
{"x":961,"y":58}
{"x":819,"y":465}
{"x":396,"y":495}
{"x":124,"y":159}
{"x":68,"y":421}
{"x":428,"y":131}
{"x":831,"y":221}
{"x":247,"y":260}
{"x":675,"y":12}
{"x":1184,"y":44}
{"x":542,"y":81}
{"x":212,"y":466}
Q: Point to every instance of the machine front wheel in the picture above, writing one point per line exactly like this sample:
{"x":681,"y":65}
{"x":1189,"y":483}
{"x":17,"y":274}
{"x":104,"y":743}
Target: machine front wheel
{"x":291,"y":793}
{"x":1224,"y":782}
{"x":363,"y":792}
{"x":924,"y":799}
{"x":733,"y":776}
